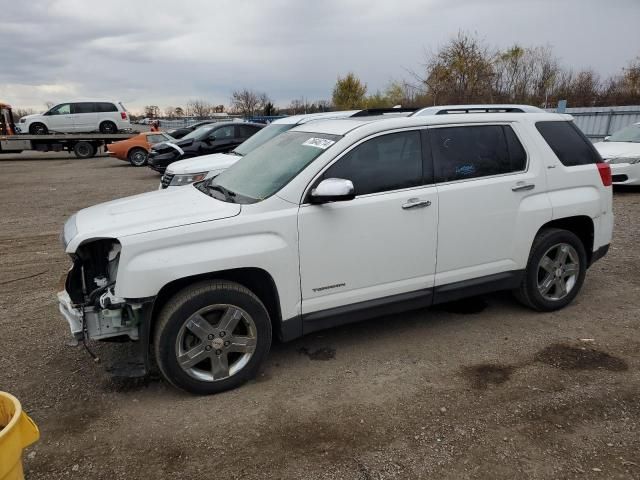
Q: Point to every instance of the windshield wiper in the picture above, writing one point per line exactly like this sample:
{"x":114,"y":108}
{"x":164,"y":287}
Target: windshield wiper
{"x":228,"y":194}
{"x":233,"y":152}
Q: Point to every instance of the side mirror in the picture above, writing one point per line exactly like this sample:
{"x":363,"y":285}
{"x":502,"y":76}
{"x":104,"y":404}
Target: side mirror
{"x":333,"y":190}
{"x":606,"y":139}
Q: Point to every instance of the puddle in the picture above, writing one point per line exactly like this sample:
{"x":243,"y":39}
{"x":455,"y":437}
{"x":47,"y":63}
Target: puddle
{"x":324,"y":353}
{"x":468,"y":306}
{"x":486,"y":374}
{"x":567,"y":357}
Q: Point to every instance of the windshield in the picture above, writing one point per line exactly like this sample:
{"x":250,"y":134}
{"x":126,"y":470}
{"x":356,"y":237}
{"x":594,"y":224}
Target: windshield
{"x":263,"y":136}
{"x":628,"y":134}
{"x":271,"y":166}
{"x":198,"y":132}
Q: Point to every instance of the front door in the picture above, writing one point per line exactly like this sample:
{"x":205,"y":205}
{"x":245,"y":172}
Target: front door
{"x":380,"y":245}
{"x":492,"y":199}
{"x":60,"y":118}
{"x":221,"y":139}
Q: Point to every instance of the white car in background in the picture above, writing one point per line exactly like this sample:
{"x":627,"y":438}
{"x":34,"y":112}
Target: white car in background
{"x":622,"y":152}
{"x":83,"y":116}
{"x":196,"y":169}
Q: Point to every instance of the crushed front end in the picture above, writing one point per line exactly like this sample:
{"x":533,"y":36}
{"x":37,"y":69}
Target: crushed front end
{"x":93,"y":311}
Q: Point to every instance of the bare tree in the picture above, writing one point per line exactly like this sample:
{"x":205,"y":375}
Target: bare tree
{"x":48,"y":104}
{"x":248,"y":102}
{"x":178,"y":112}
{"x":151,"y":111}
{"x":198,"y":108}
{"x":169,"y":112}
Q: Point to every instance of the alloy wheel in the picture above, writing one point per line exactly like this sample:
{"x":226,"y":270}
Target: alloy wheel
{"x":216,"y":342}
{"x":558,"y":271}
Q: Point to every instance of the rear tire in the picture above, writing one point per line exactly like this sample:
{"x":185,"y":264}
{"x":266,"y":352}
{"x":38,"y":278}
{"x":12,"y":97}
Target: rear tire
{"x":108,"y":128}
{"x":137,"y":157}
{"x":555,"y":271}
{"x":211,"y":337}
{"x":84,"y":150}
{"x":38,"y":129}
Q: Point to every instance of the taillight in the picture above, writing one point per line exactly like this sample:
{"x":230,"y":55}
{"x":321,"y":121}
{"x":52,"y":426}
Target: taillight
{"x":123,"y":115}
{"x":605,"y":173}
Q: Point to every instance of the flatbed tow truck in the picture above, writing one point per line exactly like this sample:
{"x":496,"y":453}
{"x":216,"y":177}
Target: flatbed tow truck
{"x":83,"y":145}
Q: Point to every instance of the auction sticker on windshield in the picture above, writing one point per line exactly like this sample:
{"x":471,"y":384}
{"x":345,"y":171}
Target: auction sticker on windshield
{"x":322,"y":143}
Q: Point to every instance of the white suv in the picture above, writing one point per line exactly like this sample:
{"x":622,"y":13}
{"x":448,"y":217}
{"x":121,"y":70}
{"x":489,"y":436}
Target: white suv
{"x":191,"y":170}
{"x":83,"y":116}
{"x":334,"y":222}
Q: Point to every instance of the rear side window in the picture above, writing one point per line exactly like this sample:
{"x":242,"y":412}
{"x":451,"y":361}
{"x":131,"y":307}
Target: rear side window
{"x":84,"y":107}
{"x":568,"y":143}
{"x":475,"y":151}
{"x":384,"y":163}
{"x":106,"y":107}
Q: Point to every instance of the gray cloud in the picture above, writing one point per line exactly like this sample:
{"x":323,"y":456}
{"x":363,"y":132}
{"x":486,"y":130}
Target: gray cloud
{"x":167,"y":52}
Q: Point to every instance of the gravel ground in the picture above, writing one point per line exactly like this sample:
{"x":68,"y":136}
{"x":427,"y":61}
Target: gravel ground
{"x":477,"y":389}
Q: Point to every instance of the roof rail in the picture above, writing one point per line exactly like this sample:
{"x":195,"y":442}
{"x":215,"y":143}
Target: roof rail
{"x":368,"y":112}
{"x":453,"y":109}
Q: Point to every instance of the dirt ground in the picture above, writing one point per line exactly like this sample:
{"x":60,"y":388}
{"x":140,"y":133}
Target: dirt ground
{"x":477,"y":389}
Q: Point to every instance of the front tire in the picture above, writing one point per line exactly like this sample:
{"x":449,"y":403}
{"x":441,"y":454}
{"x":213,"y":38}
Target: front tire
{"x":137,"y":157}
{"x":211,"y":337}
{"x":555,"y":271}
{"x":38,"y":129}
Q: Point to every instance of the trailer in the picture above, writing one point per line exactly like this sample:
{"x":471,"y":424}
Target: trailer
{"x":83,"y":145}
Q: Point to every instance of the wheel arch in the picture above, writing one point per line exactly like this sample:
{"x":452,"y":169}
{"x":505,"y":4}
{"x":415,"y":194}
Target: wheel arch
{"x":259,"y":281}
{"x":581,"y":225}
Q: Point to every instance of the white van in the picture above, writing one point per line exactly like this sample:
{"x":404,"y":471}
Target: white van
{"x":104,"y":116}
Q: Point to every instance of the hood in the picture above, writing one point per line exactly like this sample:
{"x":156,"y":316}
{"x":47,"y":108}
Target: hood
{"x":204,"y":163}
{"x":29,"y":117}
{"x":163,"y":145}
{"x":617,"y":149}
{"x":147,"y":212}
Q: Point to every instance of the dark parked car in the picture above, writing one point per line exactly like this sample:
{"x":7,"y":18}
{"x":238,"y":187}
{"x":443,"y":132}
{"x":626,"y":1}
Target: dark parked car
{"x":182,"y":131}
{"x":220,"y":137}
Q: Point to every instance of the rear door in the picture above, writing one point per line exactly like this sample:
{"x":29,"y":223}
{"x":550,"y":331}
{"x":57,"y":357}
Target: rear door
{"x":492,"y":199}
{"x":85,"y":117}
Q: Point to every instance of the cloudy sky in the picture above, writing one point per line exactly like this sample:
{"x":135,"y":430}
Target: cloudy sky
{"x":165,"y":52}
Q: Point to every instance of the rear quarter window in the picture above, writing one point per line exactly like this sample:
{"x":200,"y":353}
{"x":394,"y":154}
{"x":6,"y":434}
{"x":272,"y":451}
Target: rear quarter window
{"x":568,"y":143}
{"x":106,"y":107}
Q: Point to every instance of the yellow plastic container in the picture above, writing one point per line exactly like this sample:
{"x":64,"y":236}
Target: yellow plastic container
{"x":19,"y":432}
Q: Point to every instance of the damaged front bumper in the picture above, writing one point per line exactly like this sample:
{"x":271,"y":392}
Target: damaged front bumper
{"x":100,"y":323}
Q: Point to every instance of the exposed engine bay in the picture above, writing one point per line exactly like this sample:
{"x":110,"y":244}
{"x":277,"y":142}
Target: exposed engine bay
{"x":89,"y":303}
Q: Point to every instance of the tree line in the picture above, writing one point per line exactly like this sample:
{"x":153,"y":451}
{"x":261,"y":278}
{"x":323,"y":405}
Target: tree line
{"x":465,"y":70}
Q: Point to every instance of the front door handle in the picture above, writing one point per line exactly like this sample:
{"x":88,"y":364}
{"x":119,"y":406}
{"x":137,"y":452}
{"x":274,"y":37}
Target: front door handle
{"x":522,"y":186}
{"x":416,"y":203}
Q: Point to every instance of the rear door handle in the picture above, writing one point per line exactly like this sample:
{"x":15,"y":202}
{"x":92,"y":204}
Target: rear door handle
{"x":522,"y":186}
{"x":416,"y":203}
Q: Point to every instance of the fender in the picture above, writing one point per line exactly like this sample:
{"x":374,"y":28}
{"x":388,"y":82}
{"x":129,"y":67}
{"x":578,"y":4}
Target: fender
{"x":152,"y":260}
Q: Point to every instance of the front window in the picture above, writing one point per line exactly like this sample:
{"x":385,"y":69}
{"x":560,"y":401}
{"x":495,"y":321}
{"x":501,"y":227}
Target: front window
{"x":270,"y":167}
{"x":263,"y":136}
{"x":62,"y":109}
{"x":158,"y":138}
{"x":628,"y":134}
